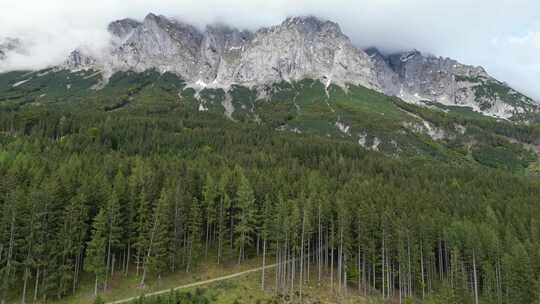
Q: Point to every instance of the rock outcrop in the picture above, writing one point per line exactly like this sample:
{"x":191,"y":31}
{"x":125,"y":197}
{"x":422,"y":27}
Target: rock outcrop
{"x":298,"y":48}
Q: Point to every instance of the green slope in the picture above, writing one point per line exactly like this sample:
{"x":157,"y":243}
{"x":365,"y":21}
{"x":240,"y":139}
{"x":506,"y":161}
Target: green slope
{"x":355,"y":114}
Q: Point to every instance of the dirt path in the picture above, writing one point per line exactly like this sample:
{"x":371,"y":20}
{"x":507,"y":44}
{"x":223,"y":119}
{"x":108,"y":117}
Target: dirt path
{"x":195,"y":284}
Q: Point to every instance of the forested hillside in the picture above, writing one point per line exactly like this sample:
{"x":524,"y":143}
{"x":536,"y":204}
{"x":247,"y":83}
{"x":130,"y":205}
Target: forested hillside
{"x":133,"y":180}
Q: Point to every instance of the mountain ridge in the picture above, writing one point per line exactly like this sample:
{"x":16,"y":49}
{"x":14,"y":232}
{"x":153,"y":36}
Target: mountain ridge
{"x":300,"y":47}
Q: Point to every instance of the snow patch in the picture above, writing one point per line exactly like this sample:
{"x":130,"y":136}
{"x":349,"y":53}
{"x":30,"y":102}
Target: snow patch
{"x":201,"y":83}
{"x":343,"y":127}
{"x":21,"y":82}
{"x":427,"y":128}
{"x":461,"y":129}
{"x":327,"y":85}
{"x":362,"y":139}
{"x":92,"y":75}
{"x":288,"y":128}
{"x":434,"y":132}
{"x":228,"y":105}
{"x":202,"y":108}
{"x":376,"y":143}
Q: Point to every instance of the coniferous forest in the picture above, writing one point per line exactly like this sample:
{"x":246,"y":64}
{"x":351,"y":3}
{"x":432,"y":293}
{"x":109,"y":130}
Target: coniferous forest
{"x":88,"y":193}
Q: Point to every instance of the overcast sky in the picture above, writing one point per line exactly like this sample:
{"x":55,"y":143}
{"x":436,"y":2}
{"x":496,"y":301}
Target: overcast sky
{"x":501,"y":35}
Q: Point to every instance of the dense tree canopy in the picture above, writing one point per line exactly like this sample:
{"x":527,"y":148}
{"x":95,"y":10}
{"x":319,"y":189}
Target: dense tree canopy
{"x":144,"y":194}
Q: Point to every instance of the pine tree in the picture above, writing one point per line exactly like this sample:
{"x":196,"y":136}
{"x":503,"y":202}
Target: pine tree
{"x":520,"y":275}
{"x":224,"y":203}
{"x":158,"y":250}
{"x":245,"y":219}
{"x":142,"y":227}
{"x":9,"y":239}
{"x":31,"y":232}
{"x":96,"y":249}
{"x":194,"y":238}
{"x":114,"y":232}
{"x":266,"y":232}
{"x":72,"y":238}
{"x":209,"y":197}
{"x":80,"y":234}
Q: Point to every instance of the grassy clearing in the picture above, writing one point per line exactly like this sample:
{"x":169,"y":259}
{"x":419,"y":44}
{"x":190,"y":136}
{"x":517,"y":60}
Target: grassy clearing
{"x":124,"y":287}
{"x":245,"y":289}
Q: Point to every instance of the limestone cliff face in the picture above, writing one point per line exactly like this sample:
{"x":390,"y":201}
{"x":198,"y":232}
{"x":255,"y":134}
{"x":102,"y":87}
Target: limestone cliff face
{"x":298,"y":48}
{"x":416,"y":77}
{"x":304,"y":47}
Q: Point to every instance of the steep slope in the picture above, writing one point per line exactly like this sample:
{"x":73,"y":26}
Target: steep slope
{"x":300,"y":47}
{"x":302,"y":76}
{"x":420,"y":78}
{"x":296,"y":49}
{"x":367,"y":118}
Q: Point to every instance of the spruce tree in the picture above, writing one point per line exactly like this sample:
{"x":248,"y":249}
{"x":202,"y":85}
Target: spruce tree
{"x":96,"y":249}
{"x":160,"y":238}
{"x":245,"y":202}
{"x":114,"y":232}
{"x":209,"y":199}
{"x":194,"y":234}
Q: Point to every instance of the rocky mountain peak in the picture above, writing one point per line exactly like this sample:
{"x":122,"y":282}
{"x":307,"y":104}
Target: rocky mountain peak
{"x":78,"y":59}
{"x":310,"y":24}
{"x":374,"y":52}
{"x":122,"y":28}
{"x":300,"y":47}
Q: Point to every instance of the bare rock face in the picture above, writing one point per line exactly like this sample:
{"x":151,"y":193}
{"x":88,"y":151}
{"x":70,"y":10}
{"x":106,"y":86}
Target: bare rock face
{"x":221,"y":52}
{"x":122,"y":29}
{"x":388,"y":79}
{"x":416,"y":77}
{"x":298,"y":48}
{"x":430,"y":77}
{"x":159,"y":43}
{"x":78,"y":60}
{"x":304,"y":47}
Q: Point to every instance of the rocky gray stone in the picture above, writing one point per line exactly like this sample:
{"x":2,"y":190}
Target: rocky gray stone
{"x":298,"y":48}
{"x":78,"y":60}
{"x":417,"y":77}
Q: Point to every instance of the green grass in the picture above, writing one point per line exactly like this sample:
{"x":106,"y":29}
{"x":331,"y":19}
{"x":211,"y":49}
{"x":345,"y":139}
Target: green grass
{"x":242,"y":290}
{"x":125,"y":287}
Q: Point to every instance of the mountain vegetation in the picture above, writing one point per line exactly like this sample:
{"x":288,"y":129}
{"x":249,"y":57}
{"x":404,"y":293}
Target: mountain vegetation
{"x":352,"y":187}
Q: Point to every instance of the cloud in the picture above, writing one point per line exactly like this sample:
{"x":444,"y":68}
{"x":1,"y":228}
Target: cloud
{"x":501,"y":35}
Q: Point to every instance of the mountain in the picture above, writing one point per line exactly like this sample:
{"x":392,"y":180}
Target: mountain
{"x":178,"y":154}
{"x":296,"y":49}
{"x":416,"y":77}
{"x":302,"y":76}
{"x":220,"y":56}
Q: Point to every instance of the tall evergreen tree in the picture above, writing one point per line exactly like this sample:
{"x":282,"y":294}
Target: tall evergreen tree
{"x":245,"y":201}
{"x":194,"y":234}
{"x":96,"y":249}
